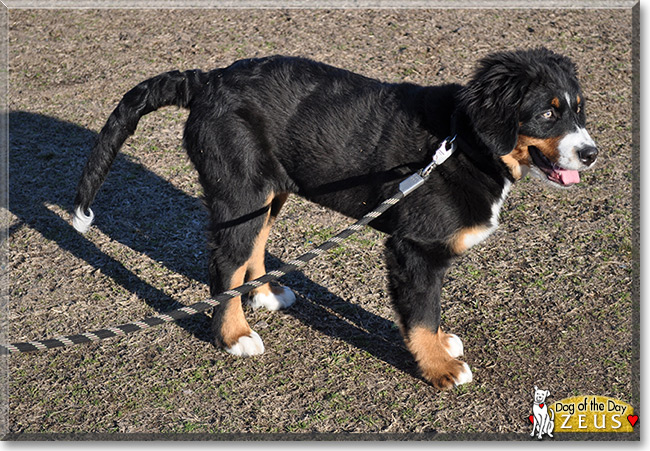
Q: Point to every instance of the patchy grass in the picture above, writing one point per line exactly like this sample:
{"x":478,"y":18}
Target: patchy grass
{"x":546,"y":300}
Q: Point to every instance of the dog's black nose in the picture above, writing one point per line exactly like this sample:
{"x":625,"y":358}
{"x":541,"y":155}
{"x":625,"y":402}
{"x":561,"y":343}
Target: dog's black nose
{"x":588,"y":155}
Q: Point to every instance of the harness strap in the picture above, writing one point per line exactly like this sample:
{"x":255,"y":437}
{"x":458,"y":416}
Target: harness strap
{"x":447,"y":147}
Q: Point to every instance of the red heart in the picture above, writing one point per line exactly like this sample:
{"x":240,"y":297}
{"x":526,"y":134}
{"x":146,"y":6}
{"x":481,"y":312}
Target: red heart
{"x":541,"y":405}
{"x":530,"y":417}
{"x":632,"y":419}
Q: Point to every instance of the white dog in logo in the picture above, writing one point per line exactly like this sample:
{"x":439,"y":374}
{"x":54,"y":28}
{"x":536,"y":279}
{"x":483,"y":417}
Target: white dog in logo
{"x":542,"y":421}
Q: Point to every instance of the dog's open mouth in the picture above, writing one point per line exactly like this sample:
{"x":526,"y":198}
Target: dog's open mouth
{"x":553,"y":172}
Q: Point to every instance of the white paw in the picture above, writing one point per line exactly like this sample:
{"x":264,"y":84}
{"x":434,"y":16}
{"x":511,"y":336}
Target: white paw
{"x":465,"y":376}
{"x":80,"y":221}
{"x":454,"y":346}
{"x":247,"y":345}
{"x":274,"y":301}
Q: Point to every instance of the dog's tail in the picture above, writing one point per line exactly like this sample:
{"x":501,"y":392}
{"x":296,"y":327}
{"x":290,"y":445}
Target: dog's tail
{"x":171,"y":88}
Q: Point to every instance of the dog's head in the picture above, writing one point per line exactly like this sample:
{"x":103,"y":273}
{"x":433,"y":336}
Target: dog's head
{"x":540,"y":395}
{"x":527,"y":108}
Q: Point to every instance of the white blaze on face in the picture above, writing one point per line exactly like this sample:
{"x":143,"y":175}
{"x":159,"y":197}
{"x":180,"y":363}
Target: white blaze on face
{"x":569,"y":145}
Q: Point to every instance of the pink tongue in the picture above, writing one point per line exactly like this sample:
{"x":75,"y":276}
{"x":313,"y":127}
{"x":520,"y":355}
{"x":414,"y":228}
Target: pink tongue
{"x":564,"y":176}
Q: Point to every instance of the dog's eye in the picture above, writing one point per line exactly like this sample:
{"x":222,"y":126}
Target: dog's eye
{"x":578,"y":109}
{"x":548,"y":114}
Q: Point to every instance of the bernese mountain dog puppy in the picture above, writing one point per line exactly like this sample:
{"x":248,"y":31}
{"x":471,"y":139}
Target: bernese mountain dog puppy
{"x":262,"y":129}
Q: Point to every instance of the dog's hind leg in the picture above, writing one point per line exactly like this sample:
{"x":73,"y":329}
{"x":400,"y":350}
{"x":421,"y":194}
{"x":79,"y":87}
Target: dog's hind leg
{"x":270,"y":297}
{"x":239,"y":179}
{"x":230,"y":328}
{"x":232,"y":242}
{"x":415,"y":281}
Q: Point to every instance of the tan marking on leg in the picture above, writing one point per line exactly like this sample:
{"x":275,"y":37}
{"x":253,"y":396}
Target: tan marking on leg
{"x":431,"y":352}
{"x":233,"y":322}
{"x":276,"y":205}
{"x":466,"y":237}
{"x":256,"y":266}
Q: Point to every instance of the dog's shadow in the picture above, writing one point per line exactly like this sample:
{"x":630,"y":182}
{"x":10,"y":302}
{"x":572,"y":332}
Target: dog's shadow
{"x":146,"y":213}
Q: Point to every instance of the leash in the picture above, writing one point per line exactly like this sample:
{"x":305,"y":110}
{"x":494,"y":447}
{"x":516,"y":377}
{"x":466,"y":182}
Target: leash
{"x":408,"y":185}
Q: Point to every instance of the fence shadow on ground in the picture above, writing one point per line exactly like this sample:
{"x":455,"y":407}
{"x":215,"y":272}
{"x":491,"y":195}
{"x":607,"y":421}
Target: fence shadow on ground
{"x":154,"y":218}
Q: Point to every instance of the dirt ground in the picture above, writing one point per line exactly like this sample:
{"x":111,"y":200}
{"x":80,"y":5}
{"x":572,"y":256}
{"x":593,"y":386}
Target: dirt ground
{"x":547,"y":300}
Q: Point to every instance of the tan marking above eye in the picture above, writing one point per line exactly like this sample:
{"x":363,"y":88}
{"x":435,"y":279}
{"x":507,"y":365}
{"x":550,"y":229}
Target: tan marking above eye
{"x":555,"y":102}
{"x":578,"y":99}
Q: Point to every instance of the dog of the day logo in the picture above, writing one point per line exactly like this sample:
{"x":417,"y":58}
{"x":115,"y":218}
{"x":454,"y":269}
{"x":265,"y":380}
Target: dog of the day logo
{"x":580,"y":414}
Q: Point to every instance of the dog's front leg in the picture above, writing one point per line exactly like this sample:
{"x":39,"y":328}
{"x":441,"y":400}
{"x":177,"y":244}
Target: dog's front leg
{"x":415,"y":281}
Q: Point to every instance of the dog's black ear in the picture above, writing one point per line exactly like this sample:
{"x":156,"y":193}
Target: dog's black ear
{"x":493,"y":97}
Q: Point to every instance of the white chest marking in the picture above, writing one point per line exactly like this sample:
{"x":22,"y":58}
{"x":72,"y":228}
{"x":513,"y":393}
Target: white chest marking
{"x":471,"y":236}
